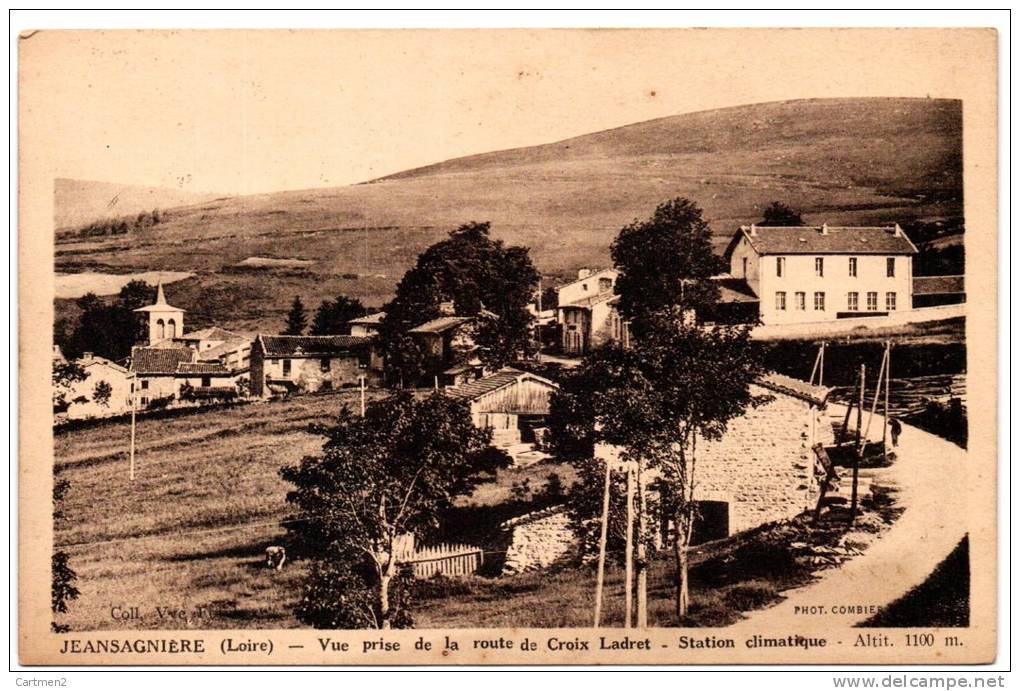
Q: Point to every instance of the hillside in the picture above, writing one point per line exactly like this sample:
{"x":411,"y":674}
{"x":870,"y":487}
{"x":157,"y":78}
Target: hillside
{"x":77,"y":202}
{"x":842,"y":161}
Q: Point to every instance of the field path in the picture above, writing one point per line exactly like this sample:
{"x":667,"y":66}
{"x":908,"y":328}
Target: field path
{"x":930,"y":474}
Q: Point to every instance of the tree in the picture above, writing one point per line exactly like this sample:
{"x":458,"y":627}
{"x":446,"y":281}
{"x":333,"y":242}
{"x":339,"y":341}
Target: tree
{"x":378,"y":479}
{"x":63,"y":577}
{"x":65,"y":376}
{"x":779,"y":214}
{"x":110,"y":329}
{"x":665,"y":262}
{"x":679,"y":384}
{"x":473,"y":271}
{"x":297,"y":319}
{"x":332,"y":316}
{"x":101,"y":393}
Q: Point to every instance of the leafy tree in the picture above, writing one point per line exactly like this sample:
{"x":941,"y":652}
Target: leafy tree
{"x":779,"y":214}
{"x":110,"y":330}
{"x":101,"y":393}
{"x":473,"y":271}
{"x":65,"y":376}
{"x":679,"y":384}
{"x":297,"y":319}
{"x":332,"y":316}
{"x":63,"y":577}
{"x":666,"y":261}
{"x":380,"y":478}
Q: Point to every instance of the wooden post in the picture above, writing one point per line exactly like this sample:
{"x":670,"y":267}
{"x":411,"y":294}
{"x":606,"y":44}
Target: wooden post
{"x":435,"y":382}
{"x":642,"y":558}
{"x":361,"y":380}
{"x":628,"y":587}
{"x":888,"y":366}
{"x":814,"y":367}
{"x":131,"y":452}
{"x":821,"y":366}
{"x":874,"y":401}
{"x":600,"y":579}
{"x":857,"y":455}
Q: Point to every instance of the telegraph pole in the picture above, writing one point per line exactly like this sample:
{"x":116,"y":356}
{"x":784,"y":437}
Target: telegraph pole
{"x":131,"y":453}
{"x":600,"y":579}
{"x":628,"y":587}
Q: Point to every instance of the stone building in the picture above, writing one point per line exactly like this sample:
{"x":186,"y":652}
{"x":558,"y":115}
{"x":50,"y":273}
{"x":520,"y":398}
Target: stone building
{"x":812,"y":274}
{"x":164,"y":371}
{"x":587,"y":312}
{"x":310,"y":363}
{"x":367,"y":325}
{"x":99,"y":370}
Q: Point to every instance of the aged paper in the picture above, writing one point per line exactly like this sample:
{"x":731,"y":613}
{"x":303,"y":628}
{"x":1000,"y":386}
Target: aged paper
{"x":212,"y":224}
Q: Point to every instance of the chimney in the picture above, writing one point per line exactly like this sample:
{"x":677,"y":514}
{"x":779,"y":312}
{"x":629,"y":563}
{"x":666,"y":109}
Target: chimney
{"x":87,"y":356}
{"x":583,"y":273}
{"x":825,"y":229}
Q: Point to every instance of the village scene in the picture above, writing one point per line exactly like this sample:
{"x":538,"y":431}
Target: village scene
{"x":709,"y":403}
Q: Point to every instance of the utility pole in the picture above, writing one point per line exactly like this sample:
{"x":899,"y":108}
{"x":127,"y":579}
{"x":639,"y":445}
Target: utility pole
{"x":628,"y":587}
{"x":131,"y":453}
{"x":642,"y":559}
{"x":600,"y":579}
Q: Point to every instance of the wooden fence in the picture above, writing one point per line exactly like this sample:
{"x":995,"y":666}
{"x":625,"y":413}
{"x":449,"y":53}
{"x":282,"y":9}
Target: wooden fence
{"x":444,"y":559}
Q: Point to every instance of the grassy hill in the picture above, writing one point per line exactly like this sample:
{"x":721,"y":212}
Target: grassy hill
{"x":77,"y":202}
{"x":836,"y":160}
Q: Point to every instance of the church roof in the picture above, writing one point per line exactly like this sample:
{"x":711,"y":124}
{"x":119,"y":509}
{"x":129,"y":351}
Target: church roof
{"x":161,"y":304}
{"x":145,"y":360}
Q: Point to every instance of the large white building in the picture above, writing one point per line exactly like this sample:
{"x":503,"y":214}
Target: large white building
{"x":822,"y":273}
{"x":587,"y":312}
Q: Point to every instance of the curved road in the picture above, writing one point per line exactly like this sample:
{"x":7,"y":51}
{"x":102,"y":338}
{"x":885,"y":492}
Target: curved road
{"x":930,"y":474}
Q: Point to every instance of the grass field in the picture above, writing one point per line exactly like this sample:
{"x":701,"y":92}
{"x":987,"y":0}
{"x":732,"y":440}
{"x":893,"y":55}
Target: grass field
{"x":190,"y":533}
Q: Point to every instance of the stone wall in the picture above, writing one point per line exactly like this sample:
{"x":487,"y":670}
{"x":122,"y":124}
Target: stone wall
{"x":763,"y":466}
{"x":540,"y":539}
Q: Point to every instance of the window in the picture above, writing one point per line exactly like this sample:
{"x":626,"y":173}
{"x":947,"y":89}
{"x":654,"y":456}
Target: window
{"x":206,"y":382}
{"x":799,"y":299}
{"x":324,"y":364}
{"x":781,"y":301}
{"x":851,"y":302}
{"x":171,"y":329}
{"x":160,"y":329}
{"x":853,"y":267}
{"x":780,"y":266}
{"x":819,"y":266}
{"x":286,"y":368}
{"x":872,"y":302}
{"x":819,"y":302}
{"x":275,"y":361}
{"x":890,"y":302}
{"x":145,"y":383}
{"x":584,"y":287}
{"x":605,"y":284}
{"x":890,"y":267}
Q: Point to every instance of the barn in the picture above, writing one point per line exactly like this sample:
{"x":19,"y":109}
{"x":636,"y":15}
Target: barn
{"x":512,"y":402}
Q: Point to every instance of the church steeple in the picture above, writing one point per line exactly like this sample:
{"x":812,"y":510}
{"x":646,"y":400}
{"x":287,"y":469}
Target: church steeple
{"x":165,"y":321}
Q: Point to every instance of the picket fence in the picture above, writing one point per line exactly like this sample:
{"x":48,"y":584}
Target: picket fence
{"x":444,"y":559}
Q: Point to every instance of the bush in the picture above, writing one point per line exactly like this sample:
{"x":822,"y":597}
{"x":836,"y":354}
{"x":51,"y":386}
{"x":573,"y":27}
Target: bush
{"x":751,"y":595}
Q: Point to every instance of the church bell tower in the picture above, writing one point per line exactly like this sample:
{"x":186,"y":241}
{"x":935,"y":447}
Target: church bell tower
{"x":165,"y":321}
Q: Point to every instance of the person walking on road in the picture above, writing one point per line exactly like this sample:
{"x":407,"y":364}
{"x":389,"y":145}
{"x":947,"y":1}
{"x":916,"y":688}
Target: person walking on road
{"x":894,"y":429}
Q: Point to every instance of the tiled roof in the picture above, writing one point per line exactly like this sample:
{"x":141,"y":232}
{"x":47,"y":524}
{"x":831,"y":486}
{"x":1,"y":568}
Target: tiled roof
{"x":594,"y":274}
{"x":734,"y":290}
{"x":938,"y":285}
{"x":213,"y":333}
{"x":834,"y":240}
{"x":202,"y":368}
{"x":589,"y":302}
{"x":798,"y":388}
{"x":145,"y":360}
{"x":309,"y":346}
{"x":218,"y":351}
{"x":369,"y":319}
{"x":478,"y":388}
{"x":96,"y":360}
{"x":439,"y":325}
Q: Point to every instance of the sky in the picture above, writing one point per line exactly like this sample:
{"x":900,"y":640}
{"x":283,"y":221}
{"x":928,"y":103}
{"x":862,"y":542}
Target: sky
{"x":247,"y":112}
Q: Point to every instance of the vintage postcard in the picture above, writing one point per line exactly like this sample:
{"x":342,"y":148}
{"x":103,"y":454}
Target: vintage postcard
{"x":507,"y":347}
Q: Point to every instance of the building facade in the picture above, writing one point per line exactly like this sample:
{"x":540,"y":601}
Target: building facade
{"x":588,"y":312}
{"x":119,"y":388}
{"x":310,"y":363}
{"x":815,"y":274}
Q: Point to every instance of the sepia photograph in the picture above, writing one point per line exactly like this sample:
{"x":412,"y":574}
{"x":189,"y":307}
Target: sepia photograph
{"x":508,"y":346}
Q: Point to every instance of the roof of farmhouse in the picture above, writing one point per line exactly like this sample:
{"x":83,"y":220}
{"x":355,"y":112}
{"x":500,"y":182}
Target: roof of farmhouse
{"x":161,"y":360}
{"x":439,"y":325}
{"x":375,"y":318}
{"x":505,"y":377}
{"x":824,"y":239}
{"x":938,"y":285}
{"x":311,"y":346}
